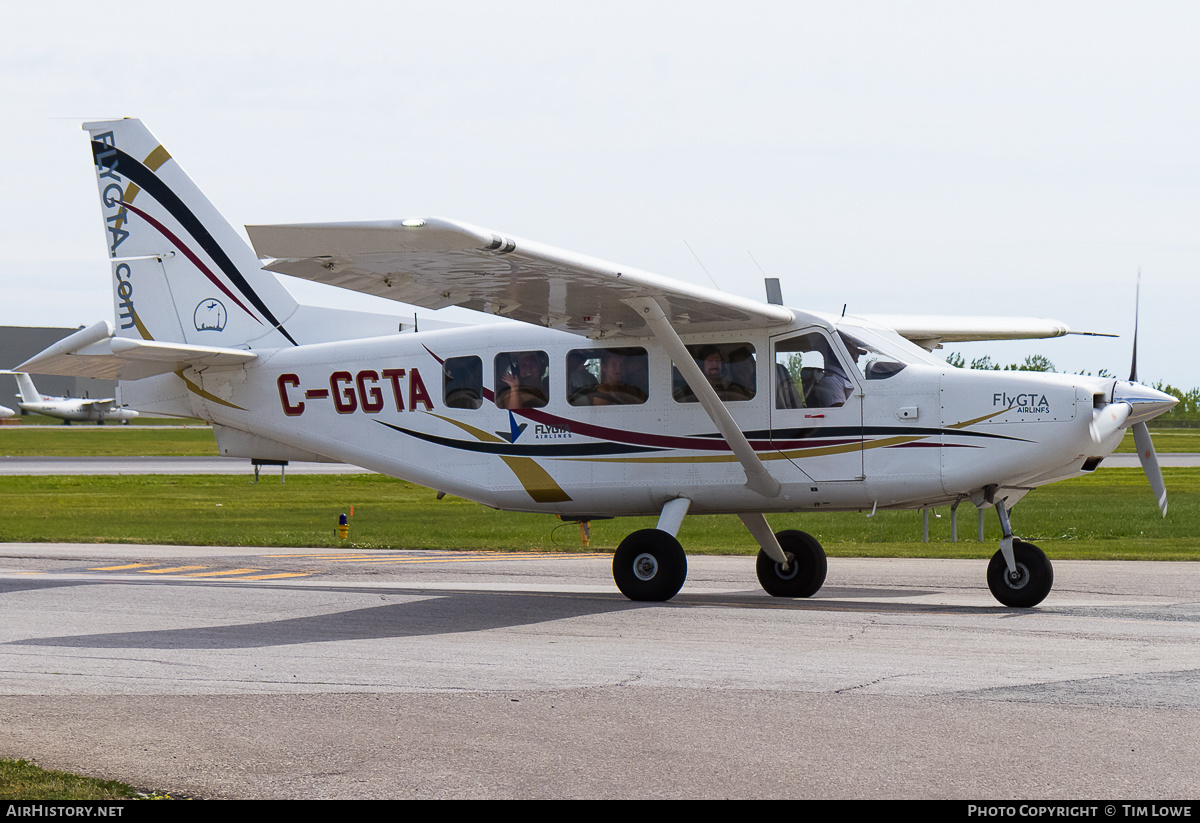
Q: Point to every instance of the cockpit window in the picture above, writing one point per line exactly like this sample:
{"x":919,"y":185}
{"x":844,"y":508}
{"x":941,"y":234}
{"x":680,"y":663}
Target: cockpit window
{"x":872,"y":364}
{"x":809,"y":375}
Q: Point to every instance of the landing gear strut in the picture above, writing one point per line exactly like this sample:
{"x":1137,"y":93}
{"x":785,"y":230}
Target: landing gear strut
{"x":1029,"y":584}
{"x":1020,"y":574}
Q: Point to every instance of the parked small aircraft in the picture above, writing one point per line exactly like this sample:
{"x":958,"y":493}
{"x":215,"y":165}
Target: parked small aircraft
{"x":67,"y":408}
{"x":5,"y":411}
{"x":620,"y":393}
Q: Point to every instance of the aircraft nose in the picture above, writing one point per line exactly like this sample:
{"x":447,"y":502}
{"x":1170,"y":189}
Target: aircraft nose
{"x":1146,"y":403}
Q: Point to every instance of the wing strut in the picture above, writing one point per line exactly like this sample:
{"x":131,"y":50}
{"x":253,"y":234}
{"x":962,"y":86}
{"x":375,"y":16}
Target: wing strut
{"x":757,"y":477}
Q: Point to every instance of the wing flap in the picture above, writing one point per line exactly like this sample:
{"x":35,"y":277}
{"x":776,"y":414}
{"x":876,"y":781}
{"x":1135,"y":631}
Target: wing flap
{"x":95,"y":352}
{"x":434,"y":263}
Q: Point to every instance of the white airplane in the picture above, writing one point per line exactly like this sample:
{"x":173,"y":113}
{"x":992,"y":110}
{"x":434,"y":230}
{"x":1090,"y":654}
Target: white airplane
{"x":5,"y":411}
{"x":67,"y":408}
{"x":620,"y":393}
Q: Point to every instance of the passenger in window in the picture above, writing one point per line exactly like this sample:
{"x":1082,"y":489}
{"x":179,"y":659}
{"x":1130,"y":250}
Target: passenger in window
{"x":712,"y":363}
{"x":581,"y":383}
{"x":741,"y":373}
{"x":728,"y":368}
{"x":615,"y":388}
{"x":830,"y":386}
{"x":526,"y":385}
{"x":713,"y":366}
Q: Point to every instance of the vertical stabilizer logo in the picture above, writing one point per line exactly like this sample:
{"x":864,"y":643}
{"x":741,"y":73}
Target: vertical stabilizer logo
{"x":112,"y":194}
{"x":210,"y":315}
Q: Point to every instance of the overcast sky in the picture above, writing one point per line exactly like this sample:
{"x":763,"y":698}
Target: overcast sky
{"x":898,"y":157}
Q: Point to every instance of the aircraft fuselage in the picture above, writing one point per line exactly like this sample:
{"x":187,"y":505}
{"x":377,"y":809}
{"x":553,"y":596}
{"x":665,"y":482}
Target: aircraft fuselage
{"x":66,"y":408}
{"x":428,"y":408}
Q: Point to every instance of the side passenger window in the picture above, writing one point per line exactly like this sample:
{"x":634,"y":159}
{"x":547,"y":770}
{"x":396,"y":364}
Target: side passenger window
{"x":462,"y":382}
{"x":729,"y":368}
{"x":522,"y":379}
{"x":607,"y":377}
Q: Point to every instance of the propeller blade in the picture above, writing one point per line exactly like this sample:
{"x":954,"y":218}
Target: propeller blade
{"x":1149,"y":461}
{"x":1137,"y":299}
{"x":1106,"y":421}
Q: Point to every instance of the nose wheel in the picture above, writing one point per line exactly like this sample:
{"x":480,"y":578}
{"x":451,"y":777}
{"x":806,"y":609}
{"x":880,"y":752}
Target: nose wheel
{"x":1028,"y":584}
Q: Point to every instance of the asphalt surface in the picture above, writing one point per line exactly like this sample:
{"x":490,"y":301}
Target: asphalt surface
{"x":231,"y":673}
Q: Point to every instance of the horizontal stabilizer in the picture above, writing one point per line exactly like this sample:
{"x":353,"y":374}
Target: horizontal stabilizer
{"x":95,"y":352}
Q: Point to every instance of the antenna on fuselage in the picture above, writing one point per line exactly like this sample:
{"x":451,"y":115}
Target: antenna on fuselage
{"x":774,"y":293}
{"x":701,"y":262}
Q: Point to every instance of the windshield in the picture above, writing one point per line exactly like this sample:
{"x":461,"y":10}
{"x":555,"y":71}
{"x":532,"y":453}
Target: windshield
{"x":880,"y":354}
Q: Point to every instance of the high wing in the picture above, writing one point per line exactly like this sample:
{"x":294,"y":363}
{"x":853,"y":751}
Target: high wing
{"x":930,"y":331}
{"x":434,"y":263}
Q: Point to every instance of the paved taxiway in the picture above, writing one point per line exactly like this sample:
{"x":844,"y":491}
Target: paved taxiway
{"x":239,"y":673}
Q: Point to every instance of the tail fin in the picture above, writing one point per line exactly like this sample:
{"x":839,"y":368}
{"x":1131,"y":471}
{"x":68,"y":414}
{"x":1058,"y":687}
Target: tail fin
{"x":181,"y":272}
{"x":25,"y":387}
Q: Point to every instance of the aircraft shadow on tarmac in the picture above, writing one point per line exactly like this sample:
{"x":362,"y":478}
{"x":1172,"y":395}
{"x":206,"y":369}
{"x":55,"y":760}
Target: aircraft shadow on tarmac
{"x":440,"y":613}
{"x":34,"y":584}
{"x":449,"y":611}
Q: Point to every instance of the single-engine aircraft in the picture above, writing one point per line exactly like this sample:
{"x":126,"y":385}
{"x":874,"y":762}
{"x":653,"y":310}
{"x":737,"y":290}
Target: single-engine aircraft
{"x":67,"y":408}
{"x":620,"y":393}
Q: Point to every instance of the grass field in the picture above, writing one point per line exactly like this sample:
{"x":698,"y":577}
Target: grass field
{"x":24,"y":781}
{"x":1107,"y":515}
{"x":107,"y":441}
{"x":1110,"y":514}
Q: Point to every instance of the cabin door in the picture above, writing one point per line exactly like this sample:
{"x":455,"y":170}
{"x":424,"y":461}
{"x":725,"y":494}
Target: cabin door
{"x":816,"y":408}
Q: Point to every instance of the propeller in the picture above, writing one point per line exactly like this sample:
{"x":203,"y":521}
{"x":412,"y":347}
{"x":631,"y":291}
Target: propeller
{"x":1136,"y":403}
{"x":1149,"y":460}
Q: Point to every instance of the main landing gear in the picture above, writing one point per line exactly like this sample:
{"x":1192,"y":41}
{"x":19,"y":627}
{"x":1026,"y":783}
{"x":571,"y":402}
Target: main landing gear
{"x":1019,"y":574}
{"x":650,"y":564}
{"x":804,"y":573}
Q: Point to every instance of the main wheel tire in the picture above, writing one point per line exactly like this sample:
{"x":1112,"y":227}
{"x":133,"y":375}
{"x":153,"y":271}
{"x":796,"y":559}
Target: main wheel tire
{"x":1035,"y":576}
{"x":806,"y":566}
{"x":650,"y":565}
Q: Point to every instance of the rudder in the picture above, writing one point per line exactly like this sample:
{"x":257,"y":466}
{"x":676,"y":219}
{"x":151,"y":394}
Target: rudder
{"x":25,"y":387}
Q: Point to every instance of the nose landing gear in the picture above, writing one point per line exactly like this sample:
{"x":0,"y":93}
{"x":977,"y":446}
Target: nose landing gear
{"x":1019,"y":575}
